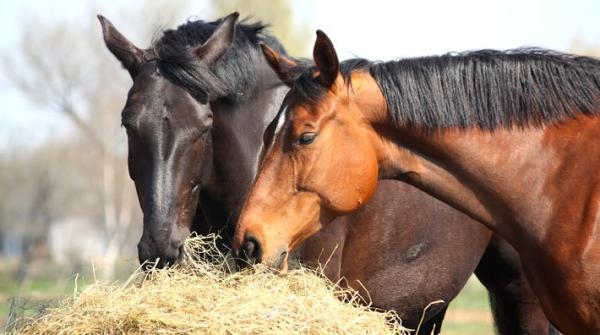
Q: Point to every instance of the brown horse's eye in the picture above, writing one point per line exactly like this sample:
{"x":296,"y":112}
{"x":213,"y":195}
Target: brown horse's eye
{"x":307,"y":138}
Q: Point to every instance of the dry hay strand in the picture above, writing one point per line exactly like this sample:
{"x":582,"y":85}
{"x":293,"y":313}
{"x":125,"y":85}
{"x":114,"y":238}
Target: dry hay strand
{"x":202,"y":296}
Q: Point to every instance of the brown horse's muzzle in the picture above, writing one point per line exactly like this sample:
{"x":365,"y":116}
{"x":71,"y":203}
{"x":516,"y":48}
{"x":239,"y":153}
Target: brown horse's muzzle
{"x":251,"y":251}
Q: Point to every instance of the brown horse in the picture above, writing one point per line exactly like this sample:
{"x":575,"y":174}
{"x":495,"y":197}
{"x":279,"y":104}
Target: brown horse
{"x":201,"y":98}
{"x":510,"y":138}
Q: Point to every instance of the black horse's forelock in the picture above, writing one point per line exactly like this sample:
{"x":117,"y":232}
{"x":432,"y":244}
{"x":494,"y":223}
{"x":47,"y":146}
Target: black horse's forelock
{"x":231,"y":76}
{"x":487,"y":89}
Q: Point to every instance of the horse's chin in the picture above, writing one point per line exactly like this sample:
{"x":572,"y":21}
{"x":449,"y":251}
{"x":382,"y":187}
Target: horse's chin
{"x":279,"y":263}
{"x":283,"y":265}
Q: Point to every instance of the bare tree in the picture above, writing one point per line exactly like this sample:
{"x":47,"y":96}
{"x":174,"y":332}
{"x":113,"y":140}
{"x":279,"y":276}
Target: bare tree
{"x":279,"y":14}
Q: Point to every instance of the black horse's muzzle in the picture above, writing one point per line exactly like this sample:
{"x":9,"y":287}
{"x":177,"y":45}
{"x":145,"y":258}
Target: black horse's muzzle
{"x":160,"y":256}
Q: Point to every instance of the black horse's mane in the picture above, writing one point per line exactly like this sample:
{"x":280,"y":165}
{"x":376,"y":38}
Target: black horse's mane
{"x":486,"y":89}
{"x":231,"y":76}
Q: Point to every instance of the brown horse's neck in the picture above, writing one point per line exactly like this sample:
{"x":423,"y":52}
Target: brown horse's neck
{"x":505,"y":178}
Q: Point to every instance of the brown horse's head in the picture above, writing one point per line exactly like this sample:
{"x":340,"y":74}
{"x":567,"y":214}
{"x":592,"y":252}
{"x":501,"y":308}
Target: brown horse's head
{"x":320,"y":163}
{"x":168,"y":131}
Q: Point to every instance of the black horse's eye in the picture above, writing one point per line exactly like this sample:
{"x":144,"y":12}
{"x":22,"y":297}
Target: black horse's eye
{"x":307,"y":138}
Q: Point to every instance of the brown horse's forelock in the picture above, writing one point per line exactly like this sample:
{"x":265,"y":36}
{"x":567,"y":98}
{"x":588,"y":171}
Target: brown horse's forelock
{"x":308,"y":88}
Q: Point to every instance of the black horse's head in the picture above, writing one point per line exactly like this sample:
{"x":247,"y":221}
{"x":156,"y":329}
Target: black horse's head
{"x":168,"y":121}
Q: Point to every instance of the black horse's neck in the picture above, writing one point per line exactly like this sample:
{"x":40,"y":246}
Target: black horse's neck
{"x":236,"y":145}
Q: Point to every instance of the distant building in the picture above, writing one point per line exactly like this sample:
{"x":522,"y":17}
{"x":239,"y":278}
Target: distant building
{"x":11,"y":243}
{"x":76,"y":241}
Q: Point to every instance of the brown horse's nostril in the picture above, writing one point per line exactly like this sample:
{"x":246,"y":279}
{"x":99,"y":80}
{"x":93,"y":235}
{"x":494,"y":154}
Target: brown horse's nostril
{"x":251,"y":249}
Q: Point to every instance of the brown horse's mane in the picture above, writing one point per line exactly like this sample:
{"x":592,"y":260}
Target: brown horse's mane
{"x":487,"y":89}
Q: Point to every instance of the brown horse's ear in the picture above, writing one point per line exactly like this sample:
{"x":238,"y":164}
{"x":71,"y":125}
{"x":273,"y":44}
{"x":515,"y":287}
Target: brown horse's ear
{"x":219,"y":41}
{"x":326,"y":59}
{"x":283,"y":66}
{"x":130,"y":56}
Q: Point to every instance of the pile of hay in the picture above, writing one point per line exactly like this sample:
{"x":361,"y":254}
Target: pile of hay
{"x":203,"y":297}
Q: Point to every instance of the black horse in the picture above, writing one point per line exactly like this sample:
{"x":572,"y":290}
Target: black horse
{"x":201,"y":99}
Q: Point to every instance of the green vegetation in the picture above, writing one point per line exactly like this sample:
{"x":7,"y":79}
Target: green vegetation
{"x":474,"y":328}
{"x":44,"y":284}
{"x":469,"y":313}
{"x":472,"y":297}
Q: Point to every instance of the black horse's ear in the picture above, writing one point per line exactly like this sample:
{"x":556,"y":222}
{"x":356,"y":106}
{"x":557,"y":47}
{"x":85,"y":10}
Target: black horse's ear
{"x":283,"y":66}
{"x":326,"y":59}
{"x":219,"y":41}
{"x":130,"y":56}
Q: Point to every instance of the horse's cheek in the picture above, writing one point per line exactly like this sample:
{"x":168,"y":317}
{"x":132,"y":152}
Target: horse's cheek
{"x":365,"y":189}
{"x":351,"y":184}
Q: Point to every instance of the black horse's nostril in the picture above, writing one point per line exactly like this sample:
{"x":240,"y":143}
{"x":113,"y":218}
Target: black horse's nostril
{"x":153,"y":256}
{"x":251,"y":249}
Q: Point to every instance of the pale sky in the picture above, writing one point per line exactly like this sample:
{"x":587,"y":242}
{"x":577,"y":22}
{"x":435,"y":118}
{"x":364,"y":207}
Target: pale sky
{"x":413,"y":28}
{"x":372,"y":29}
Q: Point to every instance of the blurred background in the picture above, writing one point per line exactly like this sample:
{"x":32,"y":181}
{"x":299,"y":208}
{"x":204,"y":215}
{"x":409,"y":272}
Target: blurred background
{"x":68,"y":211}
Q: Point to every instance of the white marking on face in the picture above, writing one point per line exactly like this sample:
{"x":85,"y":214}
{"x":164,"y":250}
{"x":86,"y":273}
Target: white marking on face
{"x":280,"y":124}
